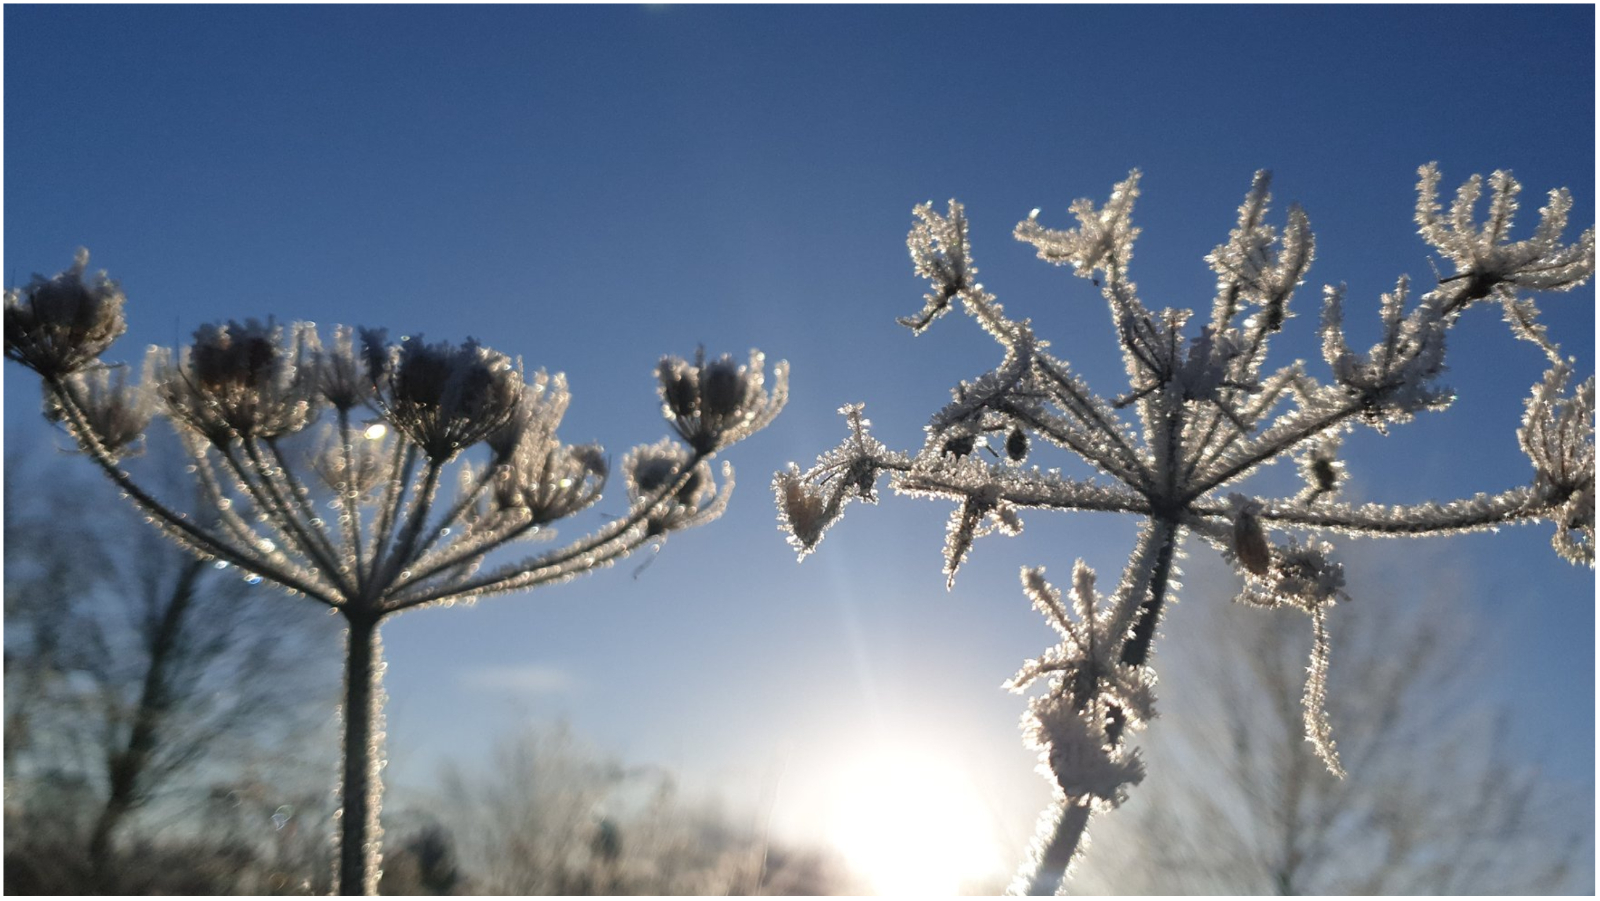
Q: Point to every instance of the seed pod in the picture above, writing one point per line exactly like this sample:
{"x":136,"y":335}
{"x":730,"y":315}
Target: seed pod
{"x":1272,"y":317}
{"x":686,"y":494}
{"x":1250,"y":542}
{"x":960,"y":446}
{"x":652,"y":472}
{"x":679,"y":388}
{"x":1326,"y":474}
{"x":724,"y":388}
{"x":1017,"y":445}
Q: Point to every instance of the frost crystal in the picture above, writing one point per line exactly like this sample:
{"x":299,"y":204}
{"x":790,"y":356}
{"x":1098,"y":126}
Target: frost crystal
{"x":1199,"y":414}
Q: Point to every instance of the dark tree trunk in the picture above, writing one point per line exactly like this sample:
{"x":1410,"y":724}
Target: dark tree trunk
{"x":127,"y":766}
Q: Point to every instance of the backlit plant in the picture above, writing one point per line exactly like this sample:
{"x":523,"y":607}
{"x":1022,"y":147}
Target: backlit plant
{"x":324,"y":469}
{"x":1199,"y":415}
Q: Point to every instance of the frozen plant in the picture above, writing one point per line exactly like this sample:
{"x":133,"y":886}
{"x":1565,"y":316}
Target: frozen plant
{"x":1199,"y":416}
{"x":323,"y":469}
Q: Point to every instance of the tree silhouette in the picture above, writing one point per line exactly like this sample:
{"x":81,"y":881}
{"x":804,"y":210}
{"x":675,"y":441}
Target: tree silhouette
{"x":133,"y":662}
{"x":1438,"y":801}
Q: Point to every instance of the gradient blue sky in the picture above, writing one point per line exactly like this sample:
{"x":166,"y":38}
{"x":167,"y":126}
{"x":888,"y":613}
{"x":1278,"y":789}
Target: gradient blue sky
{"x":592,"y":188}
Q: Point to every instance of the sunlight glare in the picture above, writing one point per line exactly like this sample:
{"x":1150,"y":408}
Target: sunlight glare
{"x":913,"y":825}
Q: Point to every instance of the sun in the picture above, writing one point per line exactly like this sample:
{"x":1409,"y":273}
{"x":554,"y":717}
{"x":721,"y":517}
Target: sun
{"x":913,"y":825}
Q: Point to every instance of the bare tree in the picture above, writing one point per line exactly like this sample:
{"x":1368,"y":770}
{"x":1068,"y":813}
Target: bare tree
{"x":40,"y":587}
{"x":552,"y":816}
{"x":1445,"y":803}
{"x":149,"y":661}
{"x":1200,"y":414}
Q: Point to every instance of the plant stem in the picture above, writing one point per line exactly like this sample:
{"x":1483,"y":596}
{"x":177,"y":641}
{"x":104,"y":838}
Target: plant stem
{"x":1068,"y":835}
{"x":1058,"y":854}
{"x":361,"y":788}
{"x":1137,"y":651}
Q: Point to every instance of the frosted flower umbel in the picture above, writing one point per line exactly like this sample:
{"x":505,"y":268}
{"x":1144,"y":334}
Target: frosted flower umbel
{"x":116,"y":412}
{"x":58,"y":326}
{"x":1200,"y":413}
{"x":719,"y":402}
{"x":250,"y":380}
{"x":446,"y":398}
{"x":323,"y":469}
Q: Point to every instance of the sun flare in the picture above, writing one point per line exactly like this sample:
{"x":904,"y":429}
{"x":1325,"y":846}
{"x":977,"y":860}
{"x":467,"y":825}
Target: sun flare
{"x":913,"y":825}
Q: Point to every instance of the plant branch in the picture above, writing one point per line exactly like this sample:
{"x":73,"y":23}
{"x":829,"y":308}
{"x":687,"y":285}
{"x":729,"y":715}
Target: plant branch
{"x":176,"y":525}
{"x":536,"y":567}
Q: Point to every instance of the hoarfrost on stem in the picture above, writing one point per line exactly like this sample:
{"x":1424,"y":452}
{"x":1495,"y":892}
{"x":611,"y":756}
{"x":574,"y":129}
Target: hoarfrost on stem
{"x":1200,"y":414}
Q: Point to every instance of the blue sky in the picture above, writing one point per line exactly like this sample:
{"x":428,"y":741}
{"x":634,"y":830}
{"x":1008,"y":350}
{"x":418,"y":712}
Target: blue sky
{"x":592,"y":188}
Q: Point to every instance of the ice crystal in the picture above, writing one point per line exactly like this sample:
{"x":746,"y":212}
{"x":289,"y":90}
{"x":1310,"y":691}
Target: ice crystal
{"x":1199,"y":415}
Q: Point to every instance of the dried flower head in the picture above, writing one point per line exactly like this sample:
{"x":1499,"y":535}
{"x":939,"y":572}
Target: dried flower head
{"x":1258,"y":266}
{"x":389,"y":538}
{"x":60,"y":325}
{"x":1075,"y":754}
{"x":941,"y":254}
{"x":804,"y":510}
{"x":1102,"y":241}
{"x":445,"y":397}
{"x":652,"y":468}
{"x":1557,"y":434}
{"x":1201,"y":414}
{"x":344,"y":375}
{"x":711,"y":405}
{"x":245,"y":380}
{"x":537,"y":415}
{"x":552,"y":481}
{"x":115,"y":412}
{"x":1485,"y":258}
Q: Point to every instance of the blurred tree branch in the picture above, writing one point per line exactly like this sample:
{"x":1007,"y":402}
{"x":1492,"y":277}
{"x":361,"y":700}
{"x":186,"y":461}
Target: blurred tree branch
{"x":139,"y":661}
{"x":1444,"y":804}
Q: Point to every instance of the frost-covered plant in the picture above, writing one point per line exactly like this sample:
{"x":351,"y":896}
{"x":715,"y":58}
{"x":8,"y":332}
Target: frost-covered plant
{"x":390,"y":420}
{"x":1207,"y":417}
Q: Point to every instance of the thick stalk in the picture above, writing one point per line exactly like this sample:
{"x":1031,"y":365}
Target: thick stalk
{"x":361,"y":788}
{"x":1137,"y":651}
{"x":1067,"y":836}
{"x":1058,"y":854}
